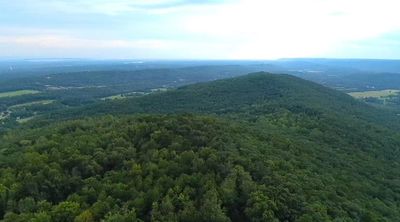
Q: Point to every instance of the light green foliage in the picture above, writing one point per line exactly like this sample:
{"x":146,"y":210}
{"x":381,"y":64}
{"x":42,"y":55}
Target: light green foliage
{"x":85,"y":216}
{"x":65,"y":211}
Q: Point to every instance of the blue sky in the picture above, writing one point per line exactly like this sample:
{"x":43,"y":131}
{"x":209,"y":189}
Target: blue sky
{"x":199,"y":29}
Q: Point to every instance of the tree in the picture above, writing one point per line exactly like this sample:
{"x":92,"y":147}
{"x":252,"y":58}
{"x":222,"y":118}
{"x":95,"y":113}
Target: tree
{"x":85,"y":216}
{"x":260,"y":208}
{"x":124,"y":216}
{"x":164,"y":211}
{"x":65,"y":211}
{"x":211,"y":209}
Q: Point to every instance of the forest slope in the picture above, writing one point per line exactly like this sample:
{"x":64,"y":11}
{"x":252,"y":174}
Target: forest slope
{"x":255,"y":148}
{"x":247,"y":96}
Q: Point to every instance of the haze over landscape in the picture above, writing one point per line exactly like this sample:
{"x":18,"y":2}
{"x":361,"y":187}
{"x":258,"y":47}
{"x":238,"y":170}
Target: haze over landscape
{"x":199,"y":111}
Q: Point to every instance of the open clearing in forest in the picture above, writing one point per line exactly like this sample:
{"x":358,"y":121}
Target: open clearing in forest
{"x":17,"y":93}
{"x":124,"y":95}
{"x":40,"y":102}
{"x":375,"y":94}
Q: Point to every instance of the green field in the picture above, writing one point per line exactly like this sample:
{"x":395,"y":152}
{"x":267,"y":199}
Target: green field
{"x":124,"y":95}
{"x":17,"y":93}
{"x":40,"y":102}
{"x":16,"y":108}
{"x":24,"y":120}
{"x":113,"y":97}
{"x":375,"y":94}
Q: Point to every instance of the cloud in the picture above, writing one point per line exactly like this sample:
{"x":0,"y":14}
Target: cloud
{"x":118,"y":7}
{"x":69,"y":46}
{"x":66,"y":46}
{"x":68,"y":42}
{"x":228,"y":29}
{"x":272,"y":28}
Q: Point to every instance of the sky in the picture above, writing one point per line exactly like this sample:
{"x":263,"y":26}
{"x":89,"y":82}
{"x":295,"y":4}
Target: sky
{"x":199,"y":29}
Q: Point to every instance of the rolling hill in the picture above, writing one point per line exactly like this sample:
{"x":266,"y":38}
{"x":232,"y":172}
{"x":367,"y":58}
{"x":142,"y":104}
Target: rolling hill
{"x":248,"y":96}
{"x":260,"y":147}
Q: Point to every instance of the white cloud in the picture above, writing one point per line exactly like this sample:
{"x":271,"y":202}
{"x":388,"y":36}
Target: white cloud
{"x":67,"y":42}
{"x":236,"y":29}
{"x":119,"y":7}
{"x":289,"y":28}
{"x":68,"y":46}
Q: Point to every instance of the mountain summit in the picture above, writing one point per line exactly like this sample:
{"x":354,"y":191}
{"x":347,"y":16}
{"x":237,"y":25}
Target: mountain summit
{"x":253,"y":94}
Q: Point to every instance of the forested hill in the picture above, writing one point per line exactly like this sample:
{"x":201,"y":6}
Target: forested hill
{"x":188,"y":168}
{"x":261,"y":147}
{"x":250,"y":95}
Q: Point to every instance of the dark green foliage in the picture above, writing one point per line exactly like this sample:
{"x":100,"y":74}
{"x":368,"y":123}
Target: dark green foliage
{"x":271,"y":148}
{"x":76,"y":89}
{"x":160,"y":168}
{"x":249,"y":97}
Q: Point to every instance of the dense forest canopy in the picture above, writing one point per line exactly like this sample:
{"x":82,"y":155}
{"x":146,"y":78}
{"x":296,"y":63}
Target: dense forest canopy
{"x":256,"y":148}
{"x":188,"y":168}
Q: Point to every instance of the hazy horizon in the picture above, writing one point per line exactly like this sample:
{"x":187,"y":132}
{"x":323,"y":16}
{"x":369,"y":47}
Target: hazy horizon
{"x":183,"y":59}
{"x":199,"y":30}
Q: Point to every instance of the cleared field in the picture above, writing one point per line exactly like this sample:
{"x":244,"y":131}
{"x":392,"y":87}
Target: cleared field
{"x":17,"y":93}
{"x":119,"y":96}
{"x":40,"y":102}
{"x":24,"y":120}
{"x":375,"y":94}
{"x":124,"y":95}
